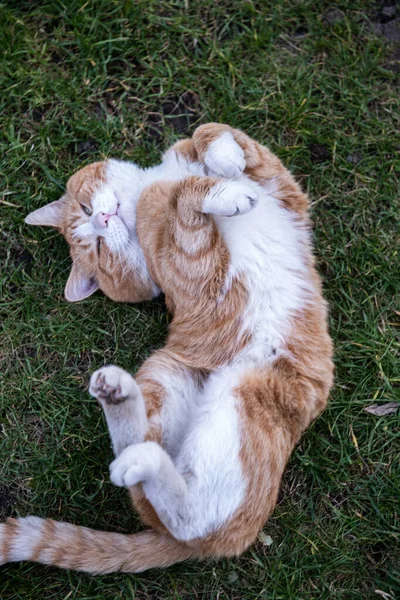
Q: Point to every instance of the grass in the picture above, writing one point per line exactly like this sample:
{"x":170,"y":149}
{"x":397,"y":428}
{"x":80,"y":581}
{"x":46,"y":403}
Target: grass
{"x":318,"y":83}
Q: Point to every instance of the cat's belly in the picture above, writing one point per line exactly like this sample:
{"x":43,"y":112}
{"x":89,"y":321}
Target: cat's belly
{"x":266,"y":248}
{"x":209,"y":458}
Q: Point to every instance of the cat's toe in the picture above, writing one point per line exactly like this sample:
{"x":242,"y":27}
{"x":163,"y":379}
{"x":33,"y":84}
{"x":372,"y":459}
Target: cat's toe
{"x":126,"y":476}
{"x":112,"y":385}
{"x":231,"y":198}
{"x":136,"y":463}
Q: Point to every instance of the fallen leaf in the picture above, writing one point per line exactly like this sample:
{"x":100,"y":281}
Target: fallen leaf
{"x":380,"y":410}
{"x":265,"y":539}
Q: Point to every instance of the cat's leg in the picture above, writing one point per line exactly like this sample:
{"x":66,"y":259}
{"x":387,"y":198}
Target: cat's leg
{"x":123,"y":405}
{"x":195,"y":491}
{"x":141,"y":463}
{"x":222,"y":156}
{"x":153,"y":406}
{"x":184,"y":148}
{"x":229,"y":152}
{"x":197,"y":197}
{"x":169,"y":389}
{"x":165,"y":489}
{"x":217,"y":148}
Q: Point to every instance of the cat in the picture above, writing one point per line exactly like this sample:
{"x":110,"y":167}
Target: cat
{"x":202,"y":435}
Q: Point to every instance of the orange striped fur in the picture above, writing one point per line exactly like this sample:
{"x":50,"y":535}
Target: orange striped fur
{"x":239,"y":345}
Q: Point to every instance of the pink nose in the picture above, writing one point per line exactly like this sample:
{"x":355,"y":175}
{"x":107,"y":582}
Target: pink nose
{"x":102,"y":218}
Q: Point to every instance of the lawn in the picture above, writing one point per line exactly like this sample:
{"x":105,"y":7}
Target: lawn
{"x":319,"y":83}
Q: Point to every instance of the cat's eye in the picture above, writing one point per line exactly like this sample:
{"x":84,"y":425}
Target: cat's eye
{"x":86,"y":210}
{"x":98,"y":246}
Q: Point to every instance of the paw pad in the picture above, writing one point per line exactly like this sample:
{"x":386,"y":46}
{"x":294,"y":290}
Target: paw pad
{"x":111,"y":385}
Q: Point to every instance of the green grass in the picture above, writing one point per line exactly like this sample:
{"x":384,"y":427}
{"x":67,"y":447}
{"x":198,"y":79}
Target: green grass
{"x":81,"y":80}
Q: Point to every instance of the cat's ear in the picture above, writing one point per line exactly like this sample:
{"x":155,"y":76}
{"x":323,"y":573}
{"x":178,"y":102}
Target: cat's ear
{"x":50,"y":215}
{"x":79,"y":286}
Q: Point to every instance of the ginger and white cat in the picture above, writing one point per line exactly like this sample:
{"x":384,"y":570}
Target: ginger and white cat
{"x":203,"y":433}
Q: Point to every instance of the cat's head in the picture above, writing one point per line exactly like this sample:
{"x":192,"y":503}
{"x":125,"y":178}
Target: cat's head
{"x":97,"y":216}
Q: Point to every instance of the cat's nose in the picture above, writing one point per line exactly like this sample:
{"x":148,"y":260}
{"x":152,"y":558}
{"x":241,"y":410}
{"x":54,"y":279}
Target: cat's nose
{"x":102,"y":219}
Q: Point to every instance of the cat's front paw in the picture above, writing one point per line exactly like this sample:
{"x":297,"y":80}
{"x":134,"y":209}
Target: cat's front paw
{"x":136,"y":463}
{"x":230,"y":198}
{"x":225,"y":157}
{"x":112,"y":385}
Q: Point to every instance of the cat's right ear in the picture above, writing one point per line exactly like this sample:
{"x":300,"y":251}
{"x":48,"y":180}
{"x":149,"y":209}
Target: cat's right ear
{"x":79,"y":286}
{"x":50,"y":215}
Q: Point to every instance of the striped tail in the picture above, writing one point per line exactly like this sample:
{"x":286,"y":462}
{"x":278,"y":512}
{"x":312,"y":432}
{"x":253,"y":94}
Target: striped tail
{"x":72,"y":547}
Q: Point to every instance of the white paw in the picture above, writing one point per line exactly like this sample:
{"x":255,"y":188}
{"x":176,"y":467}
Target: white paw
{"x":112,"y":385}
{"x":225,"y":157}
{"x":230,"y":198}
{"x":136,"y":463}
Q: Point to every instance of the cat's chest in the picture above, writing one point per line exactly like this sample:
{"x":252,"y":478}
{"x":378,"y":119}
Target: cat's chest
{"x":268,"y":251}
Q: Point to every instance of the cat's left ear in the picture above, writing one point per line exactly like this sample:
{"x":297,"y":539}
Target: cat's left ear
{"x":79,"y":286}
{"x":50,"y":215}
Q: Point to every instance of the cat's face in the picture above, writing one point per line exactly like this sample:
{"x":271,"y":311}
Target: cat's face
{"x":97,"y":216}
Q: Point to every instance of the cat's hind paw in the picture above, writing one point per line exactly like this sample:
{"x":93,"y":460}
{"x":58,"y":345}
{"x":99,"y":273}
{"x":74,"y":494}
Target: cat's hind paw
{"x":225,"y":157}
{"x":230,"y":198}
{"x":138,"y":462}
{"x":112,"y":385}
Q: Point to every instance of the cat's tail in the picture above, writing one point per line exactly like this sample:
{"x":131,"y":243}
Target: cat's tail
{"x":71,"y":547}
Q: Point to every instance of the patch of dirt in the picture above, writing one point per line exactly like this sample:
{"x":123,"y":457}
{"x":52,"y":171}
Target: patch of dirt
{"x":13,"y":253}
{"x":393,"y":63}
{"x":154,"y":129}
{"x":38,"y":114}
{"x":82,"y":363}
{"x":55,"y":57}
{"x":385,"y":23}
{"x":180,"y":113}
{"x":292,"y":41}
{"x":6,"y":499}
{"x":319,"y":153}
{"x":332,"y":16}
{"x":34,"y":427}
{"x":22,"y":256}
{"x":120,"y":66}
{"x":377,"y":108}
{"x":108,"y":105}
{"x":300,"y":31}
{"x":84,"y":148}
{"x":10,"y":495}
